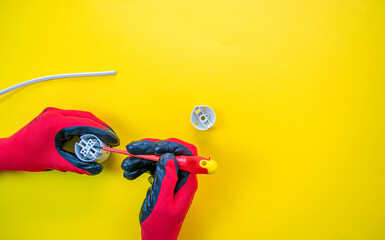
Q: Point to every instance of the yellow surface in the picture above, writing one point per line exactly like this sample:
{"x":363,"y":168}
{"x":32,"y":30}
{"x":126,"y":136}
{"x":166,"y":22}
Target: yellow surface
{"x":297,"y":86}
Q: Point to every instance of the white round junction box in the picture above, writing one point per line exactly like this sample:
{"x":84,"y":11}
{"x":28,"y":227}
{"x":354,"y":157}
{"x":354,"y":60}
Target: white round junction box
{"x":202,"y":117}
{"x":90,"y":149}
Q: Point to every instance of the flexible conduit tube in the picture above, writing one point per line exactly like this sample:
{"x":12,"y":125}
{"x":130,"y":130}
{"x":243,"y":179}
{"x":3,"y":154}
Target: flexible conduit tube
{"x":67,"y":75}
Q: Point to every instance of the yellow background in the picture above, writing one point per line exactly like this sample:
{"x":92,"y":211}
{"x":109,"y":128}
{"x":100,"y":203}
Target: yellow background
{"x":297,"y":86}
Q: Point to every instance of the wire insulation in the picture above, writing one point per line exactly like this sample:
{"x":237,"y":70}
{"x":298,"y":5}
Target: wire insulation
{"x":67,"y":75}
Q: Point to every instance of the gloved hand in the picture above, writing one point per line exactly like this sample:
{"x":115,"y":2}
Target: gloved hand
{"x":172,"y":191}
{"x":38,"y":145}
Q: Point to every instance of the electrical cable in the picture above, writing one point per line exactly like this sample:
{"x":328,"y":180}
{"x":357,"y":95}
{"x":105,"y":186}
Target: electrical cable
{"x":67,"y":75}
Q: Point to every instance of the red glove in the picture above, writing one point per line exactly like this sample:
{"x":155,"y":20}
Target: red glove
{"x":172,"y":192}
{"x":38,"y":145}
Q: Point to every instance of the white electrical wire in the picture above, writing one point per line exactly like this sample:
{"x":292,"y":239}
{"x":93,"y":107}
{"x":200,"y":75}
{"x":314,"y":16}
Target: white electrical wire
{"x":67,"y":75}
